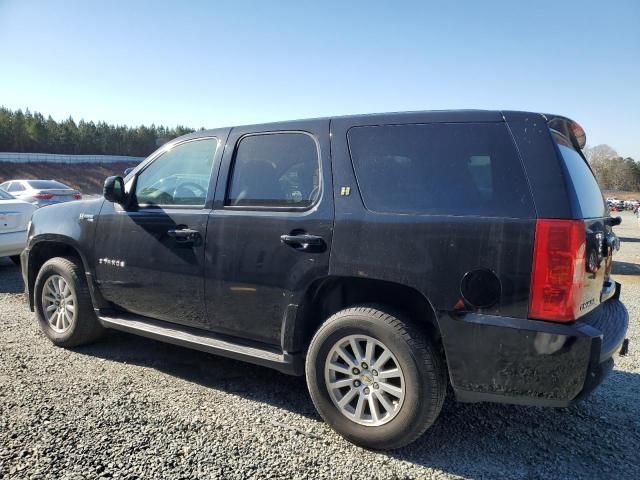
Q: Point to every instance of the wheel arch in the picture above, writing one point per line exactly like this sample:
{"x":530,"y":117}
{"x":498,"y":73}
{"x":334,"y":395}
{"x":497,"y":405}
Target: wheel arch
{"x":331,"y":294}
{"x":51,"y":246}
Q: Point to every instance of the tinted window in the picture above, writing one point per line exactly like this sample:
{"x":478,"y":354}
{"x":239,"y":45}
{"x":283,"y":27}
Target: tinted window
{"x":178,"y":177}
{"x":44,"y":184}
{"x":275,"y":170}
{"x":585,"y":187}
{"x":447,"y":169}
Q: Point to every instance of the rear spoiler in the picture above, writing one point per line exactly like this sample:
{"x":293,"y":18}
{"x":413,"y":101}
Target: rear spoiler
{"x":569,"y":128}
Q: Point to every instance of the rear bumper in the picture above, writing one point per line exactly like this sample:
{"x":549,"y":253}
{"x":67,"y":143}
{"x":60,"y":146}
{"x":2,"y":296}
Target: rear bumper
{"x":530,"y":362}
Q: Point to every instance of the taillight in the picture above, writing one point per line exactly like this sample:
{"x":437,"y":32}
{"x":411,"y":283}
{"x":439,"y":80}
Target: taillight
{"x":77,"y":196}
{"x":43,"y":196}
{"x":558,"y":270}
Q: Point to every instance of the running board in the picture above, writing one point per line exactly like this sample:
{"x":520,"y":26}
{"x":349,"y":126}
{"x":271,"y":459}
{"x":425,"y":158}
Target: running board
{"x":200,"y":340}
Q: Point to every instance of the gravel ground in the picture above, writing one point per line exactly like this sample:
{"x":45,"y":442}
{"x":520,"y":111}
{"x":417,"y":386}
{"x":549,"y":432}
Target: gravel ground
{"x":129,"y":407}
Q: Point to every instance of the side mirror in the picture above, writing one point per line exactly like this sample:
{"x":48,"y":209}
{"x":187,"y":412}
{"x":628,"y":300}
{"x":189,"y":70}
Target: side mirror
{"x":128,"y":171}
{"x":114,"y":190}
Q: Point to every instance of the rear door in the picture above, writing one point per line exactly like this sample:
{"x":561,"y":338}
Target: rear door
{"x":269,"y":234}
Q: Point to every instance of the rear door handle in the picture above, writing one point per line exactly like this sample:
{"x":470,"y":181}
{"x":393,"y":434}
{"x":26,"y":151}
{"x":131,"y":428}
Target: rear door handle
{"x":185,"y":235}
{"x":304,"y":241}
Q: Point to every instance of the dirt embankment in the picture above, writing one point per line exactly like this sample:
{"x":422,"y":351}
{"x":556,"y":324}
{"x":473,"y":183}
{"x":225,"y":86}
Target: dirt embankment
{"x":621,"y":194}
{"x":86,"y":177}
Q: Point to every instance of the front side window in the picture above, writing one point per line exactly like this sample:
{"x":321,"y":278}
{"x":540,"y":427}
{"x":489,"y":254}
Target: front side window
{"x":440,"y":169}
{"x":15,"y":187}
{"x":275,"y":170}
{"x":179,"y":176}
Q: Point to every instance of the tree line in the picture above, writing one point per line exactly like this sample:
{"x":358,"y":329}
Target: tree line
{"x":612,"y":171}
{"x":33,"y":133}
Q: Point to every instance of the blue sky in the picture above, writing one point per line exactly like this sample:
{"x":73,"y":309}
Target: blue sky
{"x":223,"y":63}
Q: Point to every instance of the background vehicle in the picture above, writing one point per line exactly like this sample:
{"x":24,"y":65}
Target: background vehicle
{"x":41,"y":192}
{"x":615,"y":203}
{"x":383,"y":256}
{"x":14,"y":218}
{"x":631,"y":204}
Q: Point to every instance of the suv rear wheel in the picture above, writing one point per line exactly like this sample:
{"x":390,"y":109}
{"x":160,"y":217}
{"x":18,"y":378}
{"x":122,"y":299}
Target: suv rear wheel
{"x":63,"y":303}
{"x":375,"y":378}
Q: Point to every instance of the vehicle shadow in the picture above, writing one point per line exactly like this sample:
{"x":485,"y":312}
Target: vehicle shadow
{"x":625,"y":268}
{"x":10,"y":277}
{"x":506,"y":441}
{"x":470,"y":440}
{"x":629,"y":239}
{"x":212,"y":371}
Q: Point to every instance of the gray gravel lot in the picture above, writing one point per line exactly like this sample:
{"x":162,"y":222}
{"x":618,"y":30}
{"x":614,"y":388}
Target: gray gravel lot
{"x":129,"y":407}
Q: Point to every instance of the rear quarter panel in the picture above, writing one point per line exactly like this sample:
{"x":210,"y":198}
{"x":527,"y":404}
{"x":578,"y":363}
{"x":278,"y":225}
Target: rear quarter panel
{"x":430,"y":253}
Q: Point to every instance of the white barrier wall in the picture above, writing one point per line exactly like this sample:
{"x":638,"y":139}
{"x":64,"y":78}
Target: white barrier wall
{"x":12,"y":157}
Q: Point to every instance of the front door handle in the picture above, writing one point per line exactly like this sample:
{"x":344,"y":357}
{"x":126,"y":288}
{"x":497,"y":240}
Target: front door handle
{"x":185,"y":235}
{"x":304,"y":241}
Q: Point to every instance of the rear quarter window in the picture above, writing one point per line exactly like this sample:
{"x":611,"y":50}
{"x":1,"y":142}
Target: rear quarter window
{"x":440,"y":169}
{"x":583,"y":185}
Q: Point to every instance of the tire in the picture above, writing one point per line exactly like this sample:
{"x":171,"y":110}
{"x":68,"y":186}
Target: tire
{"x":15,"y":259}
{"x":78,"y":327}
{"x":423,"y":378}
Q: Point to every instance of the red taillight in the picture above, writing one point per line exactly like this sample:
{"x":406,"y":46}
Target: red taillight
{"x":77,"y":196}
{"x":558,"y":270}
{"x":43,"y":196}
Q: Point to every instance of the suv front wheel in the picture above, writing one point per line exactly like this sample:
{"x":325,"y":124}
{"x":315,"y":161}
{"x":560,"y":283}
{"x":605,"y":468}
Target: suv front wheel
{"x":63,"y":303}
{"x":376,"y":379}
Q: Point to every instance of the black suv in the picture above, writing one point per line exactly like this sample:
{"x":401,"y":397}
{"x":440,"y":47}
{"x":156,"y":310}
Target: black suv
{"x":384,"y":256}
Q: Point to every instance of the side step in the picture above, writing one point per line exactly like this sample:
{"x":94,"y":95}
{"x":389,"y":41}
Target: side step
{"x":204,"y":341}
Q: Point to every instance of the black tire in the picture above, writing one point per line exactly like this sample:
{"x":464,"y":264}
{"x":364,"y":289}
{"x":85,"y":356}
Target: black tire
{"x":15,"y":259}
{"x":85,"y":327}
{"x":421,"y":363}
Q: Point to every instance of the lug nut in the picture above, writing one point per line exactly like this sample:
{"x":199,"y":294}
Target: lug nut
{"x":376,"y":386}
{"x":355,"y":371}
{"x":374,"y":372}
{"x":356,"y":383}
{"x":366,"y":391}
{"x":363,"y":365}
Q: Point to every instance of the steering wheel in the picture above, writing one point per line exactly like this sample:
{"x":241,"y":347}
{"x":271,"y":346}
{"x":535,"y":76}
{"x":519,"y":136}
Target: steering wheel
{"x":191,"y":188}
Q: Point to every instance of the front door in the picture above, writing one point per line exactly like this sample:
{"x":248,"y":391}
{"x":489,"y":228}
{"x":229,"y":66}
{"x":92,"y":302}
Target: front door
{"x":269,"y":233}
{"x":150,"y":255}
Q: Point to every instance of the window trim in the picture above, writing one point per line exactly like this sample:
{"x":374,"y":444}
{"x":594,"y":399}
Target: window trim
{"x":264,"y":208}
{"x":147,"y":206}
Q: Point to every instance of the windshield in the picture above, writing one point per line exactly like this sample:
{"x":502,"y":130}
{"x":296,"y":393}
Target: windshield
{"x":5,"y":196}
{"x":43,"y":184}
{"x":585,"y":187}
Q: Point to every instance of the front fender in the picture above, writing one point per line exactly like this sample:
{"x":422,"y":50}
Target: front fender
{"x":61,"y":230}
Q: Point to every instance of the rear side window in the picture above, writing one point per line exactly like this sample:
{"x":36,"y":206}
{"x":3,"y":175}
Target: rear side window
{"x":442,"y":169}
{"x":15,"y":187}
{"x":275,"y":170}
{"x":584,"y":186}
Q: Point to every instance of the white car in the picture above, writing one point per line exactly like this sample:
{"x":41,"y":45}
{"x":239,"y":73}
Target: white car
{"x":41,"y":192}
{"x":14,"y":219}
